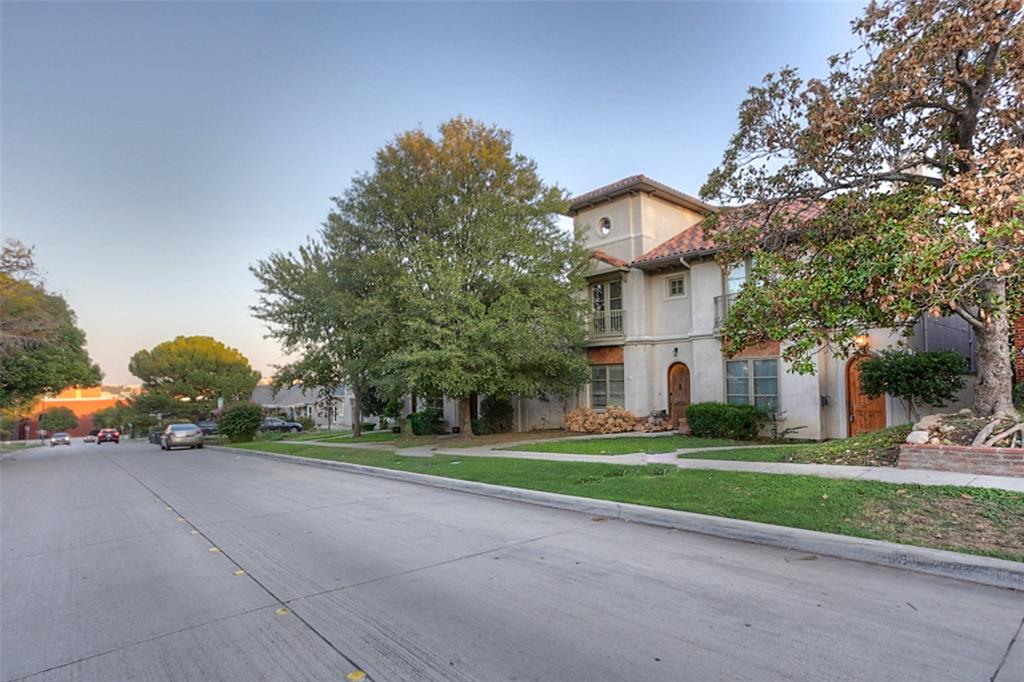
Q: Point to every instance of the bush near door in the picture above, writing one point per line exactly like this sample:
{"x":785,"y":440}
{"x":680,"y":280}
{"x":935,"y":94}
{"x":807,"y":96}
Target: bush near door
{"x":719,"y":420}
{"x":240,"y":423}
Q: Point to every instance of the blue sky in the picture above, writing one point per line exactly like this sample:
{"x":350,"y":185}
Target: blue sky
{"x":152,"y":151}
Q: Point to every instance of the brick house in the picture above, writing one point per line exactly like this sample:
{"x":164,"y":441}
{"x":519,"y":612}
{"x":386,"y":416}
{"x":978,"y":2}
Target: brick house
{"x":84,"y":402}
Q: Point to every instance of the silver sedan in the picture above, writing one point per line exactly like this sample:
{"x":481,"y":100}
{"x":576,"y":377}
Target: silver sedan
{"x":181,"y":436}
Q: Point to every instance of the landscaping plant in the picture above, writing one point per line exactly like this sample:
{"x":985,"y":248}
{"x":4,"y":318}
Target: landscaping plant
{"x":719,"y":420}
{"x":58,"y":419}
{"x":931,"y":378}
{"x":241,"y":422}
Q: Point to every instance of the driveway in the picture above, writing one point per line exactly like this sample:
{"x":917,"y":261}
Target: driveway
{"x":107,"y":574}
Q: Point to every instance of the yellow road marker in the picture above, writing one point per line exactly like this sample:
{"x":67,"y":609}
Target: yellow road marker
{"x":356,"y":676}
{"x":180,"y":519}
{"x":213,"y":549}
{"x":282,"y":611}
{"x":193,"y":532}
{"x":168,"y":509}
{"x":239,"y":572}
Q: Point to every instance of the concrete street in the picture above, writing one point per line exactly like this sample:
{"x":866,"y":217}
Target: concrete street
{"x":107,"y":575}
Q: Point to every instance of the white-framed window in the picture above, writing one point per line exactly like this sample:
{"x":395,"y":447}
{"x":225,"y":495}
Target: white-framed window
{"x":675,"y":287}
{"x":436,"y":402}
{"x":607,"y":386}
{"x":606,"y":301}
{"x":736,"y":278}
{"x":753,"y":382}
{"x":604,"y":227}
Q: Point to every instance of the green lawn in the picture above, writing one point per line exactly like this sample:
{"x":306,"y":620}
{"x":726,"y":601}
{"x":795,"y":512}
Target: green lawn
{"x":870,"y":449}
{"x":974,"y":520}
{"x":18,"y":446}
{"x":622,"y":446}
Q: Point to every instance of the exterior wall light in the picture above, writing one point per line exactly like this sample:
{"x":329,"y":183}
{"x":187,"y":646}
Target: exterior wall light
{"x":861,"y":342}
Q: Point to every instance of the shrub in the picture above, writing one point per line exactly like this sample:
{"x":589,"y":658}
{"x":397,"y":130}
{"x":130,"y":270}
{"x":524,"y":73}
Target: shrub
{"x":367,"y":426}
{"x":932,"y":378}
{"x":718,"y":420}
{"x":427,"y":421}
{"x":240,"y":423}
{"x":307,"y":423}
{"x":612,"y":420}
{"x":495,"y":416}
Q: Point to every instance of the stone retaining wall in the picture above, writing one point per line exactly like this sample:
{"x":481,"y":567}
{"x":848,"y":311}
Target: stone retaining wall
{"x":963,"y":459}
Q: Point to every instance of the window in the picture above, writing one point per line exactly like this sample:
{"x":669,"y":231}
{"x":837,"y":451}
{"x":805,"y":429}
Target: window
{"x":606,"y":299}
{"x":753,"y":382}
{"x":607,"y":386}
{"x":676,"y":286}
{"x":436,"y":402}
{"x":736,"y":278}
{"x":604,"y":227}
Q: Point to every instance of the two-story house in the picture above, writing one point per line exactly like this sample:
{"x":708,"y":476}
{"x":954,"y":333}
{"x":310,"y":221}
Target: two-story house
{"x":657,"y":298}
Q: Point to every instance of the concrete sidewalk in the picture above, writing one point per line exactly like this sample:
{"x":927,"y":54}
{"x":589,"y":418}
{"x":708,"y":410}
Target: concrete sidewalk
{"x":680,"y":459}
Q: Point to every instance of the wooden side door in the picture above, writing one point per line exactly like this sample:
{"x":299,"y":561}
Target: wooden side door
{"x":678,"y":392}
{"x":863,"y":414}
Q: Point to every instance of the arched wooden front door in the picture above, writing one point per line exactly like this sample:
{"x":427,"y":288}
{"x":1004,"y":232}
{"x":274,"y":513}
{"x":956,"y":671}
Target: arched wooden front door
{"x":863,"y":414}
{"x":678,"y":392}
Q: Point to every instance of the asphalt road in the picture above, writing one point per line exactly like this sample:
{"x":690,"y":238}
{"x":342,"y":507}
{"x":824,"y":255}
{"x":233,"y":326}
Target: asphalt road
{"x":107,"y":575}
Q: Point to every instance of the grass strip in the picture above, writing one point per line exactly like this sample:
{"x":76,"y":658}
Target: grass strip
{"x":974,"y":520}
{"x":622,"y":446}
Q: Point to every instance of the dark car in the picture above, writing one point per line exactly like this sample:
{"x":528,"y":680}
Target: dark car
{"x":278,"y":424}
{"x":108,"y":436}
{"x":208,"y":427}
{"x":154,"y":434}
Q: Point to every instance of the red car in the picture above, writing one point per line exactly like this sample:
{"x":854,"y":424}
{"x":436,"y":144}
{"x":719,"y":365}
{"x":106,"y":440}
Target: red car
{"x":108,"y":436}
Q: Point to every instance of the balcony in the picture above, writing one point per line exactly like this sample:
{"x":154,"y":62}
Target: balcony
{"x":606,"y":324}
{"x":722,"y":305}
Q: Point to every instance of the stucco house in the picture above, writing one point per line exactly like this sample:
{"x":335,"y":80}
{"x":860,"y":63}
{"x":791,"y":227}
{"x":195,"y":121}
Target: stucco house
{"x":657,"y":299}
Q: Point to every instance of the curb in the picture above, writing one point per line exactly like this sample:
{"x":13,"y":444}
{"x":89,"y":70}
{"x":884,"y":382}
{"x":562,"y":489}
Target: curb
{"x":967,"y":567}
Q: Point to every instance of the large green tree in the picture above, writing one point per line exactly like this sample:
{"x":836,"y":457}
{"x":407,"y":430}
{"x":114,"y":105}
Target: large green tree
{"x":890,"y":189}
{"x":58,"y":419}
{"x":199,"y":369}
{"x":321,"y":304}
{"x":42,"y":350}
{"x":479,"y":280}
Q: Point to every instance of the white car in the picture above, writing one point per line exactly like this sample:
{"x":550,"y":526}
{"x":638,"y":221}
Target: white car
{"x":60,"y":438}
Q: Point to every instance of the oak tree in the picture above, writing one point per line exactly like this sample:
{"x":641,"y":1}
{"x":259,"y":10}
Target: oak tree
{"x":889,"y":189}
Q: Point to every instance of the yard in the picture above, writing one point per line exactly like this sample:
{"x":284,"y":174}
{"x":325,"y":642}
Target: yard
{"x":623,"y":445}
{"x":979,"y":521}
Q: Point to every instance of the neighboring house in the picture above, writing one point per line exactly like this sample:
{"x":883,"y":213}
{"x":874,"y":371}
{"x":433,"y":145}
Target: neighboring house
{"x":84,"y":402}
{"x":657,"y":300}
{"x":297,"y":401}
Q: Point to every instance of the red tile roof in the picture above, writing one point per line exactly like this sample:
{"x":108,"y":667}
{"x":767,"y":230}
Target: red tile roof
{"x":610,"y":260}
{"x":690,"y":241}
{"x":640,"y":183}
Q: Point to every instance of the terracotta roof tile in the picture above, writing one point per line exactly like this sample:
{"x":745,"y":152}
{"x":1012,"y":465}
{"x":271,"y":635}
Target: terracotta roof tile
{"x":641,"y":183}
{"x":610,"y":260}
{"x":690,"y":241}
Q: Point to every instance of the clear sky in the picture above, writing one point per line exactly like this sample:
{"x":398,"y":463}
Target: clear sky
{"x":153,"y":151}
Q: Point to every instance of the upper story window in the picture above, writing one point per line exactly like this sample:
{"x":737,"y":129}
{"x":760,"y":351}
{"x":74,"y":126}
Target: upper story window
{"x":736,"y":278}
{"x":604,"y":227}
{"x":675,"y":286}
{"x":606,"y":296}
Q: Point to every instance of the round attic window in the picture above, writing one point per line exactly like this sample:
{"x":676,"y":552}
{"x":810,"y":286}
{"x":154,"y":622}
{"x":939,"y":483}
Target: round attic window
{"x":604,"y":227}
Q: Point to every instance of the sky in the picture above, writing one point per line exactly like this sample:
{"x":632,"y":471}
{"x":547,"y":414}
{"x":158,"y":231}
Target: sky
{"x":153,"y":151}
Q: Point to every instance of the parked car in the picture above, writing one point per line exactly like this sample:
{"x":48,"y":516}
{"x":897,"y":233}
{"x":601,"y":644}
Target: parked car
{"x":278,"y":424}
{"x":155,"y":433}
{"x":91,"y":436}
{"x":207,"y":426}
{"x":108,"y":436}
{"x":181,"y":435}
{"x":60,"y":438}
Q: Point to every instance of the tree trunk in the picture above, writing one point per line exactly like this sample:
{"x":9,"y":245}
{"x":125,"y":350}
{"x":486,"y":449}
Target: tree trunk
{"x":465,"y":419}
{"x":993,"y":389}
{"x":357,"y":412}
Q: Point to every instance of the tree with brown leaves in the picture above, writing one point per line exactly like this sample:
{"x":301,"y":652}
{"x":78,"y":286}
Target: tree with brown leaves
{"x":891,"y":189}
